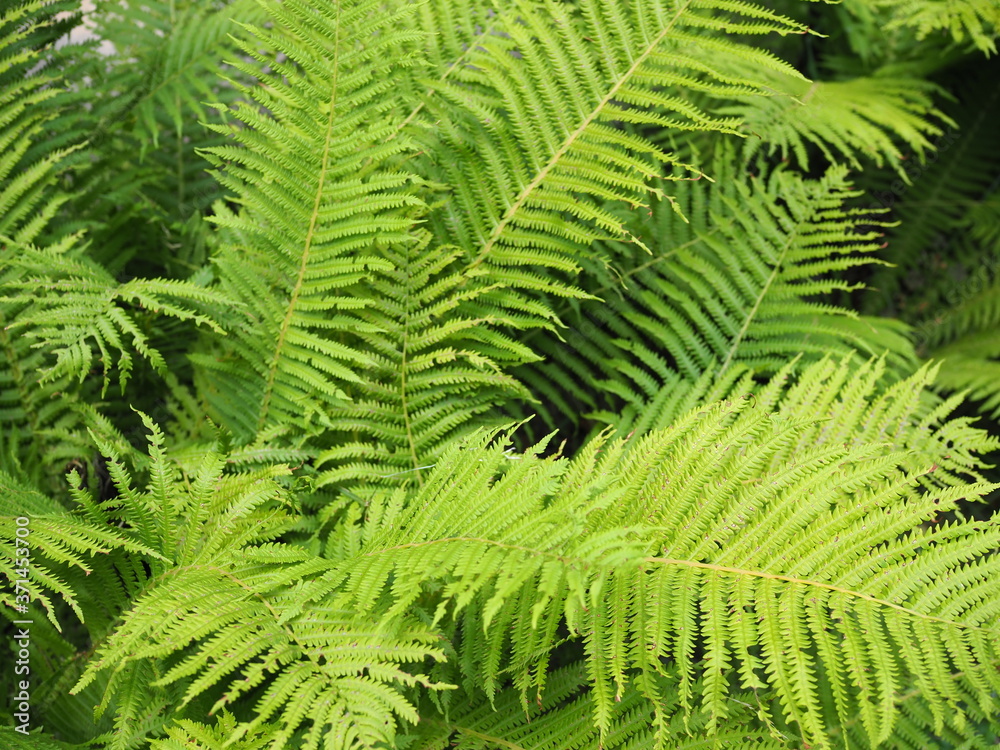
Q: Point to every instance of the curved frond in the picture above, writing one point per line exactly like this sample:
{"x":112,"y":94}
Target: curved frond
{"x":743,"y":287}
{"x":845,"y":120}
{"x":310,"y":170}
{"x":791,"y":558}
{"x":538,"y":155}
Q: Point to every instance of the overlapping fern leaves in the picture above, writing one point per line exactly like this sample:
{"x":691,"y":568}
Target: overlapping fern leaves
{"x":742,"y":533}
{"x":535,"y":159}
{"x":319,"y":199}
{"x":730,"y":552}
{"x":740,"y":288}
{"x":426,"y":217}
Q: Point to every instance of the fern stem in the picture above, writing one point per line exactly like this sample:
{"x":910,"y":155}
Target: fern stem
{"x":814,"y":584}
{"x":760,"y":298}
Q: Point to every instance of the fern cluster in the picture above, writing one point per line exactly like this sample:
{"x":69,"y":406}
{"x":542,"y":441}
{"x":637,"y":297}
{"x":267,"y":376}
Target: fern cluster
{"x":564,"y":374}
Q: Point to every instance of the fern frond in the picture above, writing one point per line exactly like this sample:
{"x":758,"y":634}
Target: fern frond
{"x":742,"y":287}
{"x":975,"y":20}
{"x":215,"y":597}
{"x":795,"y":556}
{"x":30,"y":414}
{"x":318,"y":202}
{"x":40,"y":539}
{"x":27,"y":199}
{"x":438,"y":371}
{"x":186,"y":734}
{"x":844,"y":120}
{"x":537,"y":157}
{"x":561,"y":717}
{"x":184,"y":43}
{"x":84,"y":314}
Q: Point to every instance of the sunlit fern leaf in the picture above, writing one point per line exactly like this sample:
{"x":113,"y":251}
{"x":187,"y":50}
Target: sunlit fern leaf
{"x":214,"y":595}
{"x":541,"y":148}
{"x":977,"y":21}
{"x":437,"y":372}
{"x":742,"y":287}
{"x":318,"y":671}
{"x":41,"y":533}
{"x":318,"y":201}
{"x":191,"y":735}
{"x":786,"y":555}
{"x":846,"y":121}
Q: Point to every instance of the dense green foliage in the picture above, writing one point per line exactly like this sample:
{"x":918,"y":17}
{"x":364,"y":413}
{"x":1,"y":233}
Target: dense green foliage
{"x":550,"y":374}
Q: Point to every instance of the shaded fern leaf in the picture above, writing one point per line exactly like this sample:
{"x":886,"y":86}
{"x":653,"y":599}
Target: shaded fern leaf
{"x":34,"y":740}
{"x":933,"y":242}
{"x":966,"y":339}
{"x":563,"y":712}
{"x":86,"y":315}
{"x":741,"y":288}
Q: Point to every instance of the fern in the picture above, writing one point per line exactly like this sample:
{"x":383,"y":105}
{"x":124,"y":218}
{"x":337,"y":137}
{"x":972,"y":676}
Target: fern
{"x":534,"y":158}
{"x":780,"y":533}
{"x":966,"y":339}
{"x":84,"y":312}
{"x":711,"y":306}
{"x":309,"y":210}
{"x":844,"y":119}
{"x":975,"y":20}
{"x":221,"y":600}
{"x":408,"y":375}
